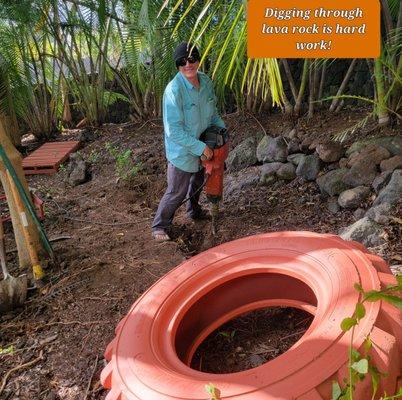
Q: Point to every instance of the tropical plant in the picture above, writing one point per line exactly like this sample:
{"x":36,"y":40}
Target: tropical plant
{"x":29,"y":82}
{"x":219,"y":29}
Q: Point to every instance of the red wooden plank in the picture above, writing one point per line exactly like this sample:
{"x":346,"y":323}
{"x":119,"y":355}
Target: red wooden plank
{"x":47,"y":159}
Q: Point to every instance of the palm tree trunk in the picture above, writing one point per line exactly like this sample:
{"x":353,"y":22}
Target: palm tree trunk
{"x":302,"y":87}
{"x":289,"y":77}
{"x":382,"y":113}
{"x":311,"y":96}
{"x":343,"y":85}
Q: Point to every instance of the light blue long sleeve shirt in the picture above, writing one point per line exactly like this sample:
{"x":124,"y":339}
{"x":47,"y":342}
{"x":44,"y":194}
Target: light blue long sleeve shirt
{"x":187,"y":112}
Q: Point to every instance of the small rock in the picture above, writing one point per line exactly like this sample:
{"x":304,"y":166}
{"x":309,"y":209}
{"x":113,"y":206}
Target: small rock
{"x":365,"y":231}
{"x":243,"y":155}
{"x":392,"y":143}
{"x":332,"y":183}
{"x":333,"y":205}
{"x":380,"y":213}
{"x":352,"y":198}
{"x":286,"y":171}
{"x":262,"y":148}
{"x":393,"y":191}
{"x":309,"y":167}
{"x":381,"y":180}
{"x":86,"y":135}
{"x":343,"y":162}
{"x":256,"y":360}
{"x":235,"y":184}
{"x":78,"y":170}
{"x":391,"y":164}
{"x":396,"y":269}
{"x":268,"y":173}
{"x":293,"y":146}
{"x":296,"y":158}
{"x":330,"y":151}
{"x":277,"y":150}
{"x":359,"y":213}
{"x":362,"y":173}
{"x":372,"y":153}
{"x":305,"y":144}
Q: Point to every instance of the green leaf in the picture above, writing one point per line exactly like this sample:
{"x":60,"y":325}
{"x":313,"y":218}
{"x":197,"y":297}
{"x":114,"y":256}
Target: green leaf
{"x":355,"y":355}
{"x":360,"y":311}
{"x":399,"y":280}
{"x":213,"y":391}
{"x":6,"y":350}
{"x":336,"y":391}
{"x":348,"y":323}
{"x":360,"y":366}
{"x":373,"y":295}
{"x":358,"y":287}
{"x":367,"y":344}
{"x":375,"y":379}
{"x":394,"y":300}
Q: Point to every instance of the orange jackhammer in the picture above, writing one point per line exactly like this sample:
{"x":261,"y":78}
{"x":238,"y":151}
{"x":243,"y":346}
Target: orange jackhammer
{"x":216,"y":139}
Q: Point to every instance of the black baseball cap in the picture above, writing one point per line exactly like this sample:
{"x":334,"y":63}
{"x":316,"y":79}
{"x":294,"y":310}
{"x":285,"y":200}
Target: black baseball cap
{"x":184,"y":50}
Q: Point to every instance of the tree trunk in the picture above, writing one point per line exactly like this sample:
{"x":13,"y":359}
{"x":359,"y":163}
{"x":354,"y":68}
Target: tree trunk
{"x":343,"y":85}
{"x":289,"y":77}
{"x":311,"y":97}
{"x":12,"y":129}
{"x":322,"y":80}
{"x":382,"y":113}
{"x":16,"y":160}
{"x":303,"y":84}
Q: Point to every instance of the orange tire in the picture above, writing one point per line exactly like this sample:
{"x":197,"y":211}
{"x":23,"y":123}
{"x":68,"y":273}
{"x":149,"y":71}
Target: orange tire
{"x":150,"y":356}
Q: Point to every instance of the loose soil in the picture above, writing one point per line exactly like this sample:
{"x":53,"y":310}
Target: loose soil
{"x":251,"y":340}
{"x":56,"y":341}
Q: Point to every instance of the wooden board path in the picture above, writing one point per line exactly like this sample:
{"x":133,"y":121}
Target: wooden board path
{"x":47,"y":159}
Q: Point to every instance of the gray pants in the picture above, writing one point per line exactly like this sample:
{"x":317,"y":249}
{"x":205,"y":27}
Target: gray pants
{"x":180,"y":185}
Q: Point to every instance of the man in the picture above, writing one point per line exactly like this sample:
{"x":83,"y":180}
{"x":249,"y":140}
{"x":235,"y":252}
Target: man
{"x":189,"y":107}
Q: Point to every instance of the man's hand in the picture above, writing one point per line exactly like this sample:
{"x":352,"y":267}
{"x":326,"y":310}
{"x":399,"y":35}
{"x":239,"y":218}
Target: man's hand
{"x":208,"y":153}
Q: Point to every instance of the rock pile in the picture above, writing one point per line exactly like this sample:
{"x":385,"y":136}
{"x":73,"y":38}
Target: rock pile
{"x":366,"y":177}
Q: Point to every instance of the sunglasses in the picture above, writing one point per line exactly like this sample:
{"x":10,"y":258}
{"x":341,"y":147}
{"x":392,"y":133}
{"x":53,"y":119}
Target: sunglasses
{"x":181,"y":62}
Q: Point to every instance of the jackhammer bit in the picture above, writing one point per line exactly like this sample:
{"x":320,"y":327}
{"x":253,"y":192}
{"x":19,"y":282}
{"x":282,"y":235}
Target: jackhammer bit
{"x":216,"y":139}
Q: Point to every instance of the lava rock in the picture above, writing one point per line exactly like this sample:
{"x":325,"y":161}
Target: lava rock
{"x":287,"y":172}
{"x":268,"y":172}
{"x":372,"y":153}
{"x":393,"y":191}
{"x":380,"y":213}
{"x":293,"y":146}
{"x":343,"y":162}
{"x":234,"y":184}
{"x":271,"y":149}
{"x":78,"y":170}
{"x":381,"y":180}
{"x":296,"y":158}
{"x":352,"y":198}
{"x":361,"y":174}
{"x":333,"y":205}
{"x":332,"y":183}
{"x":391,"y":164}
{"x":243,"y":155}
{"x":365,"y":231}
{"x":330,"y":151}
{"x":392,"y":143}
{"x":359,"y":213}
{"x":309,"y":167}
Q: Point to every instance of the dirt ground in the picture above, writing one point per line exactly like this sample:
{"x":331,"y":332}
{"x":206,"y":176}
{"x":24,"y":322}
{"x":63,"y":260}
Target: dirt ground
{"x":53,"y":347}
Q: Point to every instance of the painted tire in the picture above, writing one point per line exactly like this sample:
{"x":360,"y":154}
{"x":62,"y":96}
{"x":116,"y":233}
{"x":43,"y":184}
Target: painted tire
{"x":154,"y":343}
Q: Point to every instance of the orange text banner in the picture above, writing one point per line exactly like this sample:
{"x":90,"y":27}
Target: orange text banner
{"x":313,"y":28}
